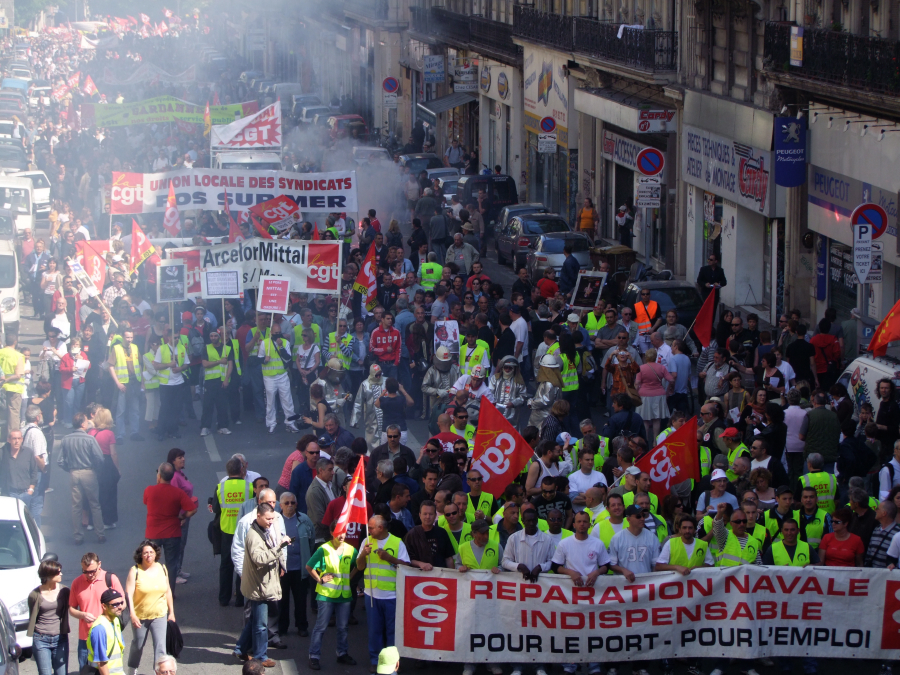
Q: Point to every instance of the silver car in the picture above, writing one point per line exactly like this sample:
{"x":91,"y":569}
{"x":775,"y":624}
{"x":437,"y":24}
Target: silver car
{"x":514,"y":242}
{"x":548,"y":252}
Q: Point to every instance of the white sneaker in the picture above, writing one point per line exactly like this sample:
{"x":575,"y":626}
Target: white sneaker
{"x":540,"y":671}
{"x":496,"y":670}
{"x":767,"y":662}
{"x":224,"y":431}
{"x":717,"y":671}
{"x":516,"y":672}
{"x":641,"y":671}
{"x":204,"y":431}
{"x":468,"y":670}
{"x":751,"y":672}
{"x":90,"y":527}
{"x":238,"y":422}
{"x":291,"y":429}
{"x":272,"y":430}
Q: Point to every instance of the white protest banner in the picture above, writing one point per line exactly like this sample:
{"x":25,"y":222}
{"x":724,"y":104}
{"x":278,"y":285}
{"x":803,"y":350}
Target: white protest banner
{"x":259,"y":131}
{"x":311,"y":266}
{"x":745,"y":612}
{"x":205,"y":189}
{"x":221,"y":284}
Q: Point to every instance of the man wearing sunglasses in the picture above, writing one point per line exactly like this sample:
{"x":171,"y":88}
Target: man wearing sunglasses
{"x":295,"y":580}
{"x":711,"y":278}
{"x":105,"y":645}
{"x":635,"y":549}
{"x":85,"y":598}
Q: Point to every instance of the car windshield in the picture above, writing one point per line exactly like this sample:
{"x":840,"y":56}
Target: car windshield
{"x":39,"y":181}
{"x":683,"y":300}
{"x":6,"y":230}
{"x":449,"y":187}
{"x":554,"y":245}
{"x":14,"y":550}
{"x":418,"y":164}
{"x":15,"y":199}
{"x":544,"y":226}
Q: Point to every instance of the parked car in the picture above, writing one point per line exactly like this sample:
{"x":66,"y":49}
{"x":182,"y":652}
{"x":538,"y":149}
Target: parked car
{"x":347,"y":126}
{"x":449,"y":186}
{"x":862,"y":375}
{"x":421,"y":161}
{"x":10,"y":652}
{"x":41,"y":189}
{"x":548,"y":252}
{"x":508,"y":212}
{"x":308,"y":113}
{"x":514,"y":242}
{"x":21,"y":547}
{"x":501,"y":192}
{"x":371,"y":154}
{"x":682,"y":296}
{"x":301,"y":101}
{"x":443,"y":172}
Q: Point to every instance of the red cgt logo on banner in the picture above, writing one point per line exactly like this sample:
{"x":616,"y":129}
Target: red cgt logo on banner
{"x":673,"y":461}
{"x":500,"y":452}
{"x":323,"y":267}
{"x":282,"y":212}
{"x":429,"y":608}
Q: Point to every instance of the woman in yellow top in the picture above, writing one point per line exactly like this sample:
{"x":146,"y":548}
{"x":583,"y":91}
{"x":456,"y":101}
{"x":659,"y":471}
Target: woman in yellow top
{"x":587,"y":218}
{"x":150,"y":600}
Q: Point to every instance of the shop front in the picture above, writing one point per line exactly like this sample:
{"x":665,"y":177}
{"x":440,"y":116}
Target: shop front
{"x":551,"y":177}
{"x":500,"y":89}
{"x":732,"y":211}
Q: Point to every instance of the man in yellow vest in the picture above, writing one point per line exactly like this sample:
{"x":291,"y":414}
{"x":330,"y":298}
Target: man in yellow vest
{"x":170,"y":362}
{"x":736,"y":448}
{"x":378,"y":560}
{"x":217,"y":367}
{"x":595,"y":319}
{"x":124,"y":363}
{"x":12,"y":363}
{"x":685,"y":552}
{"x":480,"y":552}
{"x":430,"y":272}
{"x":235,"y":402}
{"x":790,"y":551}
{"x":231,"y":493}
{"x":340,"y":344}
{"x":735,"y":547}
{"x":814,"y":522}
{"x":474,"y":352}
{"x":105,"y":644}
{"x":824,"y":483}
{"x":331,"y":567}
{"x":480,"y":504}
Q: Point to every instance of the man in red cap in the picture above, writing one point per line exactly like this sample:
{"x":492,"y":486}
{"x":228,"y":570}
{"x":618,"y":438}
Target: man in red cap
{"x":736,"y":448}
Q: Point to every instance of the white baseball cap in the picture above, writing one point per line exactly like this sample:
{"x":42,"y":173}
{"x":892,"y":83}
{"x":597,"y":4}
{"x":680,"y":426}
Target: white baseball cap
{"x":718,"y":474}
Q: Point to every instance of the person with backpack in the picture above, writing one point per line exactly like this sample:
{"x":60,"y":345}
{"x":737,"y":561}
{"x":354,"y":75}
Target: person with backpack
{"x":85,"y":598}
{"x":828,"y":355}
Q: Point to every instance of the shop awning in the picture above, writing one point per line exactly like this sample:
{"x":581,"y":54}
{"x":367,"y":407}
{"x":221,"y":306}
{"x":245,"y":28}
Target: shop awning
{"x":436,"y":106}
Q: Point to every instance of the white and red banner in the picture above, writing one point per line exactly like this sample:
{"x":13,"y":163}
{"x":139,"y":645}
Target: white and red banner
{"x":312,"y":267}
{"x":205,"y":189}
{"x":366,"y":283}
{"x":281,"y":213}
{"x":744,"y":612}
{"x":500,"y":452}
{"x":673,"y":461}
{"x":355,"y":507}
{"x":256,"y":132}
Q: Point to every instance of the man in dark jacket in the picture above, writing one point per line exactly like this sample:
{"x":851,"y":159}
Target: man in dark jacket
{"x":389,"y":450}
{"x":625,"y":419}
{"x":303,"y":475}
{"x":711,"y":277}
{"x":568,"y":276}
{"x":506,"y":343}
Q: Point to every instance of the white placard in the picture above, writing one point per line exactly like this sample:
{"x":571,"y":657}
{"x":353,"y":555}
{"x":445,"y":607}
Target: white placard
{"x":876,"y":269}
{"x":547,"y":142}
{"x":389,"y":100}
{"x":171,"y":283}
{"x":221,"y":284}
{"x":862,"y":251}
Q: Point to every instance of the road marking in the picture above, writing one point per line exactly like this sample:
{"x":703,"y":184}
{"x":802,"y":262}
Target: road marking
{"x":289,"y":667}
{"x":210,"y":440}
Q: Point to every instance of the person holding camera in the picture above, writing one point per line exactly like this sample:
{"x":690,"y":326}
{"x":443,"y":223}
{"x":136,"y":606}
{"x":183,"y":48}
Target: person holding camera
{"x":260,"y":583}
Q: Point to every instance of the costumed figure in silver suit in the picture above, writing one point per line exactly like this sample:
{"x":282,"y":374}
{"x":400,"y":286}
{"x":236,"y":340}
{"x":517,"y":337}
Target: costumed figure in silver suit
{"x":364,"y":406}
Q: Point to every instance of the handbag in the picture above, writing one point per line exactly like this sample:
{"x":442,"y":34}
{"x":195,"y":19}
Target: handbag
{"x":636,"y":399}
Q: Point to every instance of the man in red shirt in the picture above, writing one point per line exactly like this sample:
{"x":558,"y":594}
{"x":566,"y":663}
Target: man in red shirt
{"x":385,"y":345}
{"x":165,"y":502}
{"x":477,"y":268}
{"x":84,"y":598}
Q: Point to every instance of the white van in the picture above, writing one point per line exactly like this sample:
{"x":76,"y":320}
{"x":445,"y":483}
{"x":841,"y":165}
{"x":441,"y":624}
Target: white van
{"x":247,"y":160}
{"x":41,"y":196}
{"x":9,"y":273}
{"x":862,"y":375}
{"x":17,"y":195}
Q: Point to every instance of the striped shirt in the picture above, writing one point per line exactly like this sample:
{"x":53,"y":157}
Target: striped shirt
{"x":876,"y":554}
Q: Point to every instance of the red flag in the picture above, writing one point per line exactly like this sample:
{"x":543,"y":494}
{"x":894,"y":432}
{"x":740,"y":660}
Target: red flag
{"x":234,"y":230}
{"x":145,"y":19}
{"x":365,"y":282}
{"x":89,"y":87}
{"x":888,"y":331}
{"x":171,"y":218}
{"x":703,"y":324}
{"x":671,"y":462}
{"x":74,"y":80}
{"x":500,"y":452}
{"x":132,"y":20}
{"x":315,"y":234}
{"x":141,"y":248}
{"x":93,"y":260}
{"x":354,"y":510}
{"x":216,"y":99}
{"x":259,"y":228}
{"x":167,"y":12}
{"x":163,"y":28}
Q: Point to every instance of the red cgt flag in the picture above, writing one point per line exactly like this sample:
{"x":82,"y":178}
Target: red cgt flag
{"x":673,"y":461}
{"x":263,"y":232}
{"x":888,"y":331}
{"x":141,"y":248}
{"x":366,"y":283}
{"x":89,"y":87}
{"x":171,"y":218}
{"x":703,"y":324}
{"x":500,"y":452}
{"x":234,"y":230}
{"x":93,"y":259}
{"x":354,"y":510}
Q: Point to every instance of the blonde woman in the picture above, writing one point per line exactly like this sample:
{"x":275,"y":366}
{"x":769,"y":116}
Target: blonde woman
{"x":150,"y":600}
{"x":108,"y":479}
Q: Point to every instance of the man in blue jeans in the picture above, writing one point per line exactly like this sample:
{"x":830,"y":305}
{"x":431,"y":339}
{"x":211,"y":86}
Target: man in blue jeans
{"x":264,"y":560}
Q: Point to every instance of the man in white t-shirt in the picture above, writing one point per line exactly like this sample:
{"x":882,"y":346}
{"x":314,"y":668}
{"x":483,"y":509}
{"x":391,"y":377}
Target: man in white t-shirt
{"x":663,"y":351}
{"x":583,"y":480}
{"x":635,"y":549}
{"x":519,"y":327}
{"x":583,"y":559}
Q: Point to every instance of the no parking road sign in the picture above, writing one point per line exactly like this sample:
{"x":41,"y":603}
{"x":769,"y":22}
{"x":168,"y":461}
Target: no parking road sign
{"x":391,"y":85}
{"x":871,"y":215}
{"x":650,"y":162}
{"x":548,"y":125}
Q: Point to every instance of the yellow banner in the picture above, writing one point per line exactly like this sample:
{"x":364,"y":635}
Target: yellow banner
{"x":161,"y":110}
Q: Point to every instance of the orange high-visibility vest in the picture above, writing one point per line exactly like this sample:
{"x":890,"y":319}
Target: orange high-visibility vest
{"x":642,"y":316}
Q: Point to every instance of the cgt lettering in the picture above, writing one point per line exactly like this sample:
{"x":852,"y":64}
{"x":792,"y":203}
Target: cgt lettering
{"x":324,"y":273}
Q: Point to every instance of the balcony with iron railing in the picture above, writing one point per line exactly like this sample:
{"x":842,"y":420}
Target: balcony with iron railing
{"x":484,"y":36}
{"x":857,"y":62}
{"x":641,"y":49}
